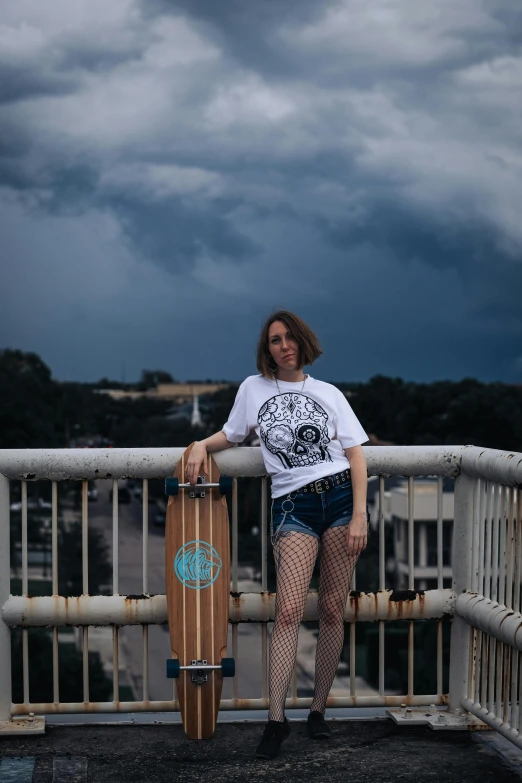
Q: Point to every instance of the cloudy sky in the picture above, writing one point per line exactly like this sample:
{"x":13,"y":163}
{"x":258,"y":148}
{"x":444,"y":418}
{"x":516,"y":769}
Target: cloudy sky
{"x":171,"y":172}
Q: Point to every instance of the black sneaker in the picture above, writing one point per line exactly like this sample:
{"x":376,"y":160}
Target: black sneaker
{"x":317,"y":727}
{"x":274,"y":734}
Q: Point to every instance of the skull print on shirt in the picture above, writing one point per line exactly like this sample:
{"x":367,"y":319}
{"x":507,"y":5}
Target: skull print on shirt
{"x":293,"y":427}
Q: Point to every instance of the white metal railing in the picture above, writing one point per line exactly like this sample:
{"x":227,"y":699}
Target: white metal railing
{"x":488,"y":619}
{"x":479,"y":567}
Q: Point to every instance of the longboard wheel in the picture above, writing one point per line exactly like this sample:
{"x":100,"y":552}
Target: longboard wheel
{"x":173,"y":668}
{"x":171,"y":486}
{"x":228,"y":667}
{"x":225,"y":488}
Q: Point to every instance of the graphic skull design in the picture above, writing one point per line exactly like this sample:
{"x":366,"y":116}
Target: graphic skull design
{"x":293,"y":427}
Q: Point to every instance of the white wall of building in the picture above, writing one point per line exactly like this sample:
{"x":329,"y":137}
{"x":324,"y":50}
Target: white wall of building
{"x":425,"y":514}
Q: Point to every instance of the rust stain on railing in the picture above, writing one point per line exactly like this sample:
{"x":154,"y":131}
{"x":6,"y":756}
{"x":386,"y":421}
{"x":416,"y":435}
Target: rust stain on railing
{"x":353,"y":598}
{"x":404,"y":602}
{"x":401,"y":604}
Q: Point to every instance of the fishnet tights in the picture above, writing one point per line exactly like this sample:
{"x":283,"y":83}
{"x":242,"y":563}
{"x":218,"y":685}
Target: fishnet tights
{"x":336,"y":571}
{"x":295,"y":555}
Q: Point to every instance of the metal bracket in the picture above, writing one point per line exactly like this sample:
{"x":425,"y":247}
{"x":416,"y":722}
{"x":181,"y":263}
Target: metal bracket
{"x":195,"y":491}
{"x":457,"y":720}
{"x":199,"y":676}
{"x":200,"y":670}
{"x":22,"y":726}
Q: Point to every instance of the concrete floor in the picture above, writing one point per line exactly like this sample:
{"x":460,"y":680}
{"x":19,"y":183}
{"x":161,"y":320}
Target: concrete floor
{"x":359,"y":751}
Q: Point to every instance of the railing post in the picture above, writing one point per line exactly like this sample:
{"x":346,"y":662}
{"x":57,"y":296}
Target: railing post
{"x":9,"y":725}
{"x":5,"y":591}
{"x":461,"y":632}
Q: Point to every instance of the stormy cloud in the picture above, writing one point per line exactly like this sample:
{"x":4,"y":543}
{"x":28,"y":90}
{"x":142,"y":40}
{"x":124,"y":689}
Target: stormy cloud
{"x":179,"y":169}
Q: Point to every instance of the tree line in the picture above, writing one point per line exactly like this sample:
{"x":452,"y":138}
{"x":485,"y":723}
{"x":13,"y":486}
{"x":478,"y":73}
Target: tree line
{"x":37,"y":411}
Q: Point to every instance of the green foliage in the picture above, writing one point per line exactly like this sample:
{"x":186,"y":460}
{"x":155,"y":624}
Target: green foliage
{"x":38,"y":412}
{"x":440,"y":413}
{"x":222,"y":402}
{"x":28,"y":397}
{"x":152,"y":378}
{"x":142,"y":422}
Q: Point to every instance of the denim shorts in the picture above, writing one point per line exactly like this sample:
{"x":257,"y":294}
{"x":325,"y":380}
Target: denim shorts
{"x":312,"y":512}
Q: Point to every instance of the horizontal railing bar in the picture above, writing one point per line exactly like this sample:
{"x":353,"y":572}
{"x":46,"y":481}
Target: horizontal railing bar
{"x":491,"y":617}
{"x":413,"y":460}
{"x":62,"y":464}
{"x":103,"y":610}
{"x":226,"y":704}
{"x":503,"y":467}
{"x":106,"y":610}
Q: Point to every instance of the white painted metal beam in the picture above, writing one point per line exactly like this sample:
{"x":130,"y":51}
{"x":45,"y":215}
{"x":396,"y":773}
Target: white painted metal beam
{"x":493,"y":618}
{"x":504,"y":467}
{"x":244,"y":607}
{"x":61,"y":464}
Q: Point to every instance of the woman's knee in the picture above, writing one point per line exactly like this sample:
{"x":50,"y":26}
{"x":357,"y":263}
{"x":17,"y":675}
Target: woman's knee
{"x":331,"y":611}
{"x":289,"y":614}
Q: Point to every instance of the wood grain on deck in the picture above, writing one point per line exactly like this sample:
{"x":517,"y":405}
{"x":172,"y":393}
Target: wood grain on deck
{"x":198,"y":617}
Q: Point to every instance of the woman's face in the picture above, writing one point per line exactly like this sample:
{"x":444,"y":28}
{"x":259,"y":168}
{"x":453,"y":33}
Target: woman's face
{"x":283,"y":347}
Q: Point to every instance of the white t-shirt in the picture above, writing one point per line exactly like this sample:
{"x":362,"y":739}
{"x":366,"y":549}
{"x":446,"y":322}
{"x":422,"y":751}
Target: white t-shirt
{"x":302,"y":432}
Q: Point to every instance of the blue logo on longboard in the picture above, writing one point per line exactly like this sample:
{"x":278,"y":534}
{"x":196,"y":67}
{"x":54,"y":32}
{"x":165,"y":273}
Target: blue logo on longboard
{"x":197,"y":564}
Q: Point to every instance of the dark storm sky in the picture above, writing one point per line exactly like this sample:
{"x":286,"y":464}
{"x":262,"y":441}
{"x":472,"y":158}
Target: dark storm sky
{"x":170,"y":172}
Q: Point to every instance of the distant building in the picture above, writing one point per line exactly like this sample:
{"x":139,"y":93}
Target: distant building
{"x":184,"y":391}
{"x":425,"y":533}
{"x":175,"y":392}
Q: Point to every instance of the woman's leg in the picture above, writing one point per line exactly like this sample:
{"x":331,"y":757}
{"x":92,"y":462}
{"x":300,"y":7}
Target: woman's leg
{"x":295,"y":555}
{"x":337,"y":567}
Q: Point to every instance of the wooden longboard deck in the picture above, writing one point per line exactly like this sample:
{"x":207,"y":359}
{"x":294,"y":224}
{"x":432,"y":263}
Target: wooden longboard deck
{"x":197,"y":576}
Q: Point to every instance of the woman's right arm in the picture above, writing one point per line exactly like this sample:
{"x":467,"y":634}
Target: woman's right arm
{"x":198,"y":454}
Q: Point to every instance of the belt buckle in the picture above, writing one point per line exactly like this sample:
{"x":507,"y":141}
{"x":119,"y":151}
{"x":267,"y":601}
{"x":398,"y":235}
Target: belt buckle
{"x":317,"y":489}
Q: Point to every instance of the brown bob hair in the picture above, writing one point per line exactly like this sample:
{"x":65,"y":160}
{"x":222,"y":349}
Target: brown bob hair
{"x":309,"y":348}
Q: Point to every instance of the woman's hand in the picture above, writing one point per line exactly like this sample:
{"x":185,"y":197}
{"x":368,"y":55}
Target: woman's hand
{"x":357,"y":535}
{"x":197,"y":458}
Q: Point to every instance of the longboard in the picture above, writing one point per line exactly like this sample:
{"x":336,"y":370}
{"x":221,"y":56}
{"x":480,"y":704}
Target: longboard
{"x":197,"y":577}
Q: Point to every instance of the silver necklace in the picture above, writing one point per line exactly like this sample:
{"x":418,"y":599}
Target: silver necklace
{"x":290,"y":393}
{"x":300,"y":390}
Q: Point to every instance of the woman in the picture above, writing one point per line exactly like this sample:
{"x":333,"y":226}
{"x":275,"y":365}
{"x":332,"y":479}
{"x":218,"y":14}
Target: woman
{"x":311,"y":445}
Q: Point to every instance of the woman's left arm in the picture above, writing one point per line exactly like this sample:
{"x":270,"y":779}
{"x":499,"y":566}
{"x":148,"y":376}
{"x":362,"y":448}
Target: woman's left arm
{"x":358,"y":527}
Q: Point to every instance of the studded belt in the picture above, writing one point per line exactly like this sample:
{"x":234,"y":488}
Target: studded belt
{"x":327,"y":483}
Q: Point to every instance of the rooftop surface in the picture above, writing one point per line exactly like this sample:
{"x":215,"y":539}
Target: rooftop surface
{"x":358,"y":751}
